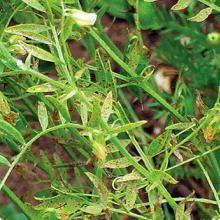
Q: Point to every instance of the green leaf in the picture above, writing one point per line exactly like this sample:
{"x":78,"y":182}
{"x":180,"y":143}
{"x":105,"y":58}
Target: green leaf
{"x":127,"y":127}
{"x":100,"y":187}
{"x":119,"y":163}
{"x":110,"y":148}
{"x":34,"y":4}
{"x":47,"y":166}
{"x":180,"y":126}
{"x":11,"y":131}
{"x":154,"y":148}
{"x":181,"y":4}
{"x":6,"y":58}
{"x":42,"y":115}
{"x":46,"y":87}
{"x":106,"y":109}
{"x":159,"y":175}
{"x":4,"y":161}
{"x":39,"y":53}
{"x":69,"y":93}
{"x":202,"y":15}
{"x":60,"y":107}
{"x":45,"y":194}
{"x":94,"y":209}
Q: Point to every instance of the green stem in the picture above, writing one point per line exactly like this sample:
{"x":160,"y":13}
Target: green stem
{"x":211,"y":5}
{"x":23,"y":207}
{"x":29,"y":143}
{"x":210,"y":183}
{"x":124,"y":66}
{"x":193,"y":158}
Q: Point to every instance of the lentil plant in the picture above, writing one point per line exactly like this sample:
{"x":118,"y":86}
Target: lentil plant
{"x":73,"y":120}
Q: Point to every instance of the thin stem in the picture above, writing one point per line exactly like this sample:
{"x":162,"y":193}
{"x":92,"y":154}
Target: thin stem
{"x":193,"y":158}
{"x":28,"y":145}
{"x":210,"y":183}
{"x":146,"y":88}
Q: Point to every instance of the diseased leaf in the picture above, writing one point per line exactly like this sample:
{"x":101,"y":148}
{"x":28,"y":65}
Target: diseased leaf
{"x":34,"y":4}
{"x":180,"y":211}
{"x":131,"y":195}
{"x":111,"y":148}
{"x":99,"y":150}
{"x":32,"y":35}
{"x":127,"y":127}
{"x":94,"y":209}
{"x":4,"y":161}
{"x":11,"y":131}
{"x":150,"y":1}
{"x":181,"y":4}
{"x":46,"y":87}
{"x":100,"y":187}
{"x":84,"y":113}
{"x":39,"y":52}
{"x":36,"y":28}
{"x":42,"y":115}
{"x":129,"y":177}
{"x":180,"y":126}
{"x":202,"y":15}
{"x":119,"y":163}
{"x":63,"y":205}
{"x":106,"y":109}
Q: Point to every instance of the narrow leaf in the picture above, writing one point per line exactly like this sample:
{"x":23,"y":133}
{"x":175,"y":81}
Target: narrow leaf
{"x":94,"y":209}
{"x":181,"y":4}
{"x":11,"y":131}
{"x":131,"y":195}
{"x":34,"y":4}
{"x":127,"y":127}
{"x":107,"y":107}
{"x":42,"y":115}
{"x":119,"y":163}
{"x":100,"y":187}
{"x":4,"y":161}
{"x":39,"y":53}
{"x":202,"y":15}
{"x":36,"y":28}
{"x":46,"y":87}
{"x":32,"y":35}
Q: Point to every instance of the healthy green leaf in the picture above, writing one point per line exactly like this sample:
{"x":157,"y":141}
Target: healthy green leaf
{"x":34,"y":4}
{"x":11,"y":131}
{"x":4,"y":161}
